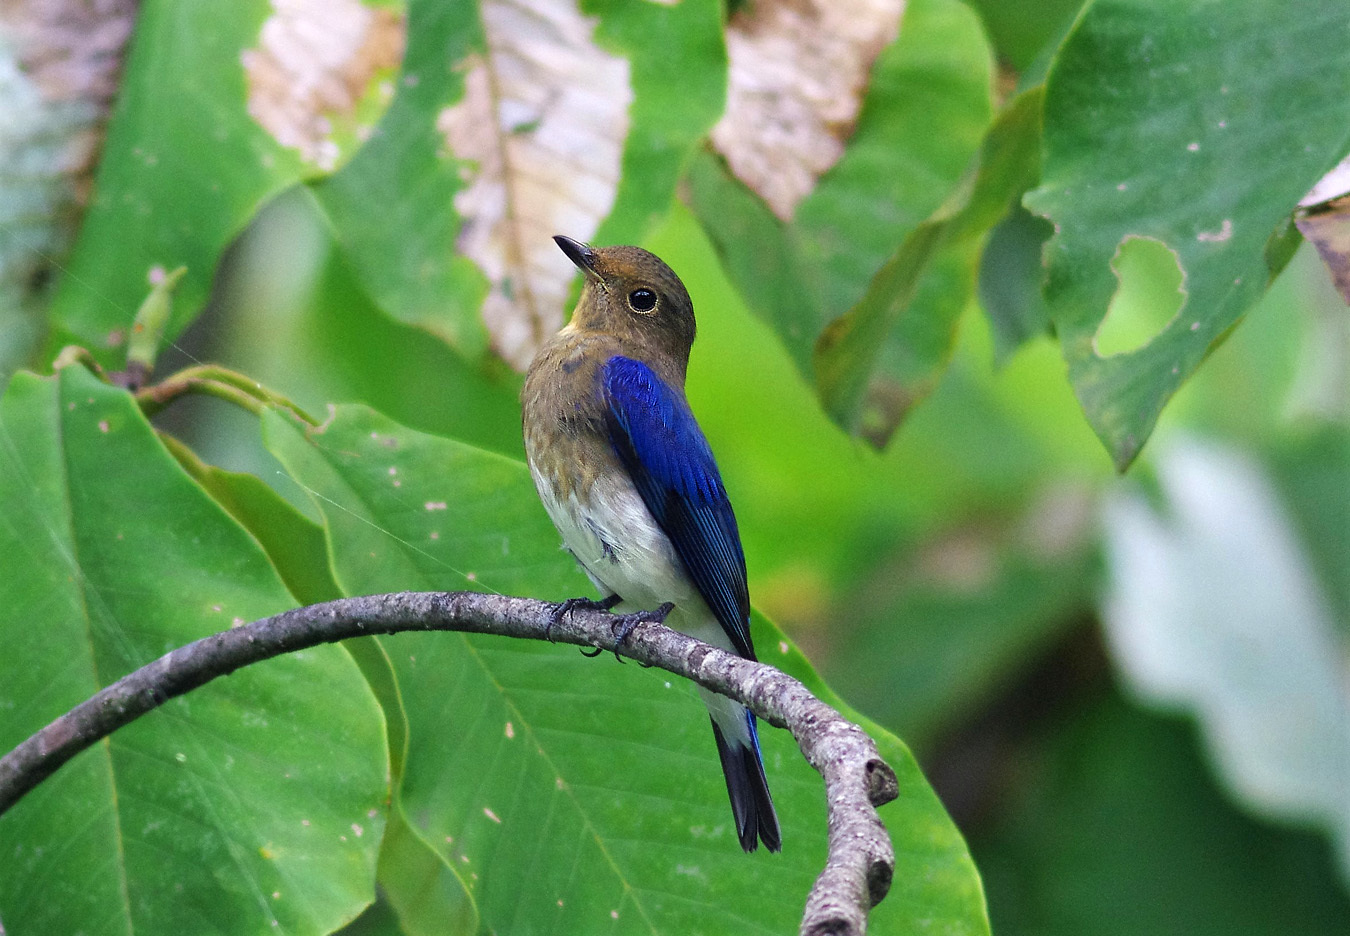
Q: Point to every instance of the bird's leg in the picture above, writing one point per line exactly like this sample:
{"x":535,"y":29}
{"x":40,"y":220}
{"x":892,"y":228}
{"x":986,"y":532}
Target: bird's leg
{"x":625,"y":624}
{"x":563,"y":608}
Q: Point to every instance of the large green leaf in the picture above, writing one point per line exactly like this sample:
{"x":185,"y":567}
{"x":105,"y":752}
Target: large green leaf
{"x":1198,"y":125}
{"x":530,"y":762}
{"x":188,"y":159}
{"x":253,"y":802}
{"x":925,"y":110}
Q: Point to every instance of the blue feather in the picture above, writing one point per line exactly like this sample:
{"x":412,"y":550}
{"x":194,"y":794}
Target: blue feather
{"x":661,"y":445}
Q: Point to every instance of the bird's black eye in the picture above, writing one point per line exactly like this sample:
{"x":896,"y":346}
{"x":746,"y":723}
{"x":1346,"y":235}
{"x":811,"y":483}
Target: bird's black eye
{"x":642,"y":300}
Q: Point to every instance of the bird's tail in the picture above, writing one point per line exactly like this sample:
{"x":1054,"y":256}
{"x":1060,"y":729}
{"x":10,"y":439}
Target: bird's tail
{"x":738,"y":747}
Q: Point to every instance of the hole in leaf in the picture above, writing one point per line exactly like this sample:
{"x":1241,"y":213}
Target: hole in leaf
{"x":1150,"y":295}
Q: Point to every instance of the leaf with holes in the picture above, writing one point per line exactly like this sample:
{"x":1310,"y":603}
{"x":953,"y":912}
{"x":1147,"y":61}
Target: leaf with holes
{"x":597,"y":782}
{"x":1168,"y":122}
{"x":255,"y":801}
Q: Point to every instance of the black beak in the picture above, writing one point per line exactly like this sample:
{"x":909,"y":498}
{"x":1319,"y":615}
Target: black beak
{"x":578,"y":253}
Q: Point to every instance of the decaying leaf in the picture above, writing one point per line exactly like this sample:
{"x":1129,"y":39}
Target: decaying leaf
{"x":59,"y":62}
{"x":1325,"y":221}
{"x":798,"y":71}
{"x":316,"y":63}
{"x":1328,"y":227}
{"x":541,"y":129}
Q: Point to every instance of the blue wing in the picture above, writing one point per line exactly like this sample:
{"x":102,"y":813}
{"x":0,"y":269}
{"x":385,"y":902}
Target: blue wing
{"x":660,"y":443}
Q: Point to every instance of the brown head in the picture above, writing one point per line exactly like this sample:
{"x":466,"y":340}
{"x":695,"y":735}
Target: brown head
{"x":631,"y":293}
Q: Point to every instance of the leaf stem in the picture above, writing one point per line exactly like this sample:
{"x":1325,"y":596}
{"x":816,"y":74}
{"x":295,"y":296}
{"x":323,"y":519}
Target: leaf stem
{"x":217,"y":381}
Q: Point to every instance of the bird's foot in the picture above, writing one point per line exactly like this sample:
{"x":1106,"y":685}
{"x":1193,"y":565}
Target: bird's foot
{"x":564,"y":608}
{"x":625,"y":624}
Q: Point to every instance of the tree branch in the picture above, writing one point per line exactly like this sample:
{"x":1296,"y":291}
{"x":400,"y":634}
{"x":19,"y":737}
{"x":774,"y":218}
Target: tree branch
{"x":860,"y":863}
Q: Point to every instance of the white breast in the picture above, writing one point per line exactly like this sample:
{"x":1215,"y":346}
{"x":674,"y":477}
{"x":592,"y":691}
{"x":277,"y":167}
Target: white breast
{"x":618,"y":542}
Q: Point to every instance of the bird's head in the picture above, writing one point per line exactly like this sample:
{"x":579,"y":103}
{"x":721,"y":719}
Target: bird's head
{"x":631,"y":292}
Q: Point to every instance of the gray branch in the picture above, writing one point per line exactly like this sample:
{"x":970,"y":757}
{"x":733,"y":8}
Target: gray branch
{"x":860,"y":862}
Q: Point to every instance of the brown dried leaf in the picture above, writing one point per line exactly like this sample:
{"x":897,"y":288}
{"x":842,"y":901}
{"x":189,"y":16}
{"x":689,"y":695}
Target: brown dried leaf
{"x":1328,"y":227}
{"x":798,"y":72}
{"x":541,"y":129}
{"x":1325,"y":221}
{"x":315,"y":64}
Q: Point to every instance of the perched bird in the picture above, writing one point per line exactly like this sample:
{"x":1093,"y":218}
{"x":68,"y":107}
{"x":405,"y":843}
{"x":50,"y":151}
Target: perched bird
{"x":628,"y":478}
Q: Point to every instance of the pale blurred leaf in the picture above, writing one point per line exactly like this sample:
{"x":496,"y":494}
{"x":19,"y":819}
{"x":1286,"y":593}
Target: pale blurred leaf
{"x":1215,"y":607}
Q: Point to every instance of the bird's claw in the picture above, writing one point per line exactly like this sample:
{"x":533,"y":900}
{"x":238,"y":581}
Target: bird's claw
{"x":625,"y":624}
{"x":564,"y":608}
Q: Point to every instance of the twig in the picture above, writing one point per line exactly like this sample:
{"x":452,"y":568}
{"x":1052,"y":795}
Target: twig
{"x":860,"y":862}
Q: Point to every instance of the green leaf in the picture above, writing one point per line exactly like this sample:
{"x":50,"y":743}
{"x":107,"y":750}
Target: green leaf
{"x":187,"y":161}
{"x":873,"y":363}
{"x":255,"y":801}
{"x":1010,"y":281}
{"x":925,"y":110}
{"x":379,"y":919}
{"x":293,"y":542}
{"x":679,"y":72}
{"x":391,"y":207}
{"x":425,"y":891}
{"x":530,"y":760}
{"x":1022,"y":29}
{"x":1158,"y":126}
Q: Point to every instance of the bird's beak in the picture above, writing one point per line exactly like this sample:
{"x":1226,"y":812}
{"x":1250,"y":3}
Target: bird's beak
{"x":578,"y":253}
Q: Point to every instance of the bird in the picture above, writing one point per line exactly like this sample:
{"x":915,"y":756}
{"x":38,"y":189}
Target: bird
{"x":627,"y":476}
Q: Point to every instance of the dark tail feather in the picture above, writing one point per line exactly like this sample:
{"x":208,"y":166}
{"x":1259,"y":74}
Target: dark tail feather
{"x":751,"y":803}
